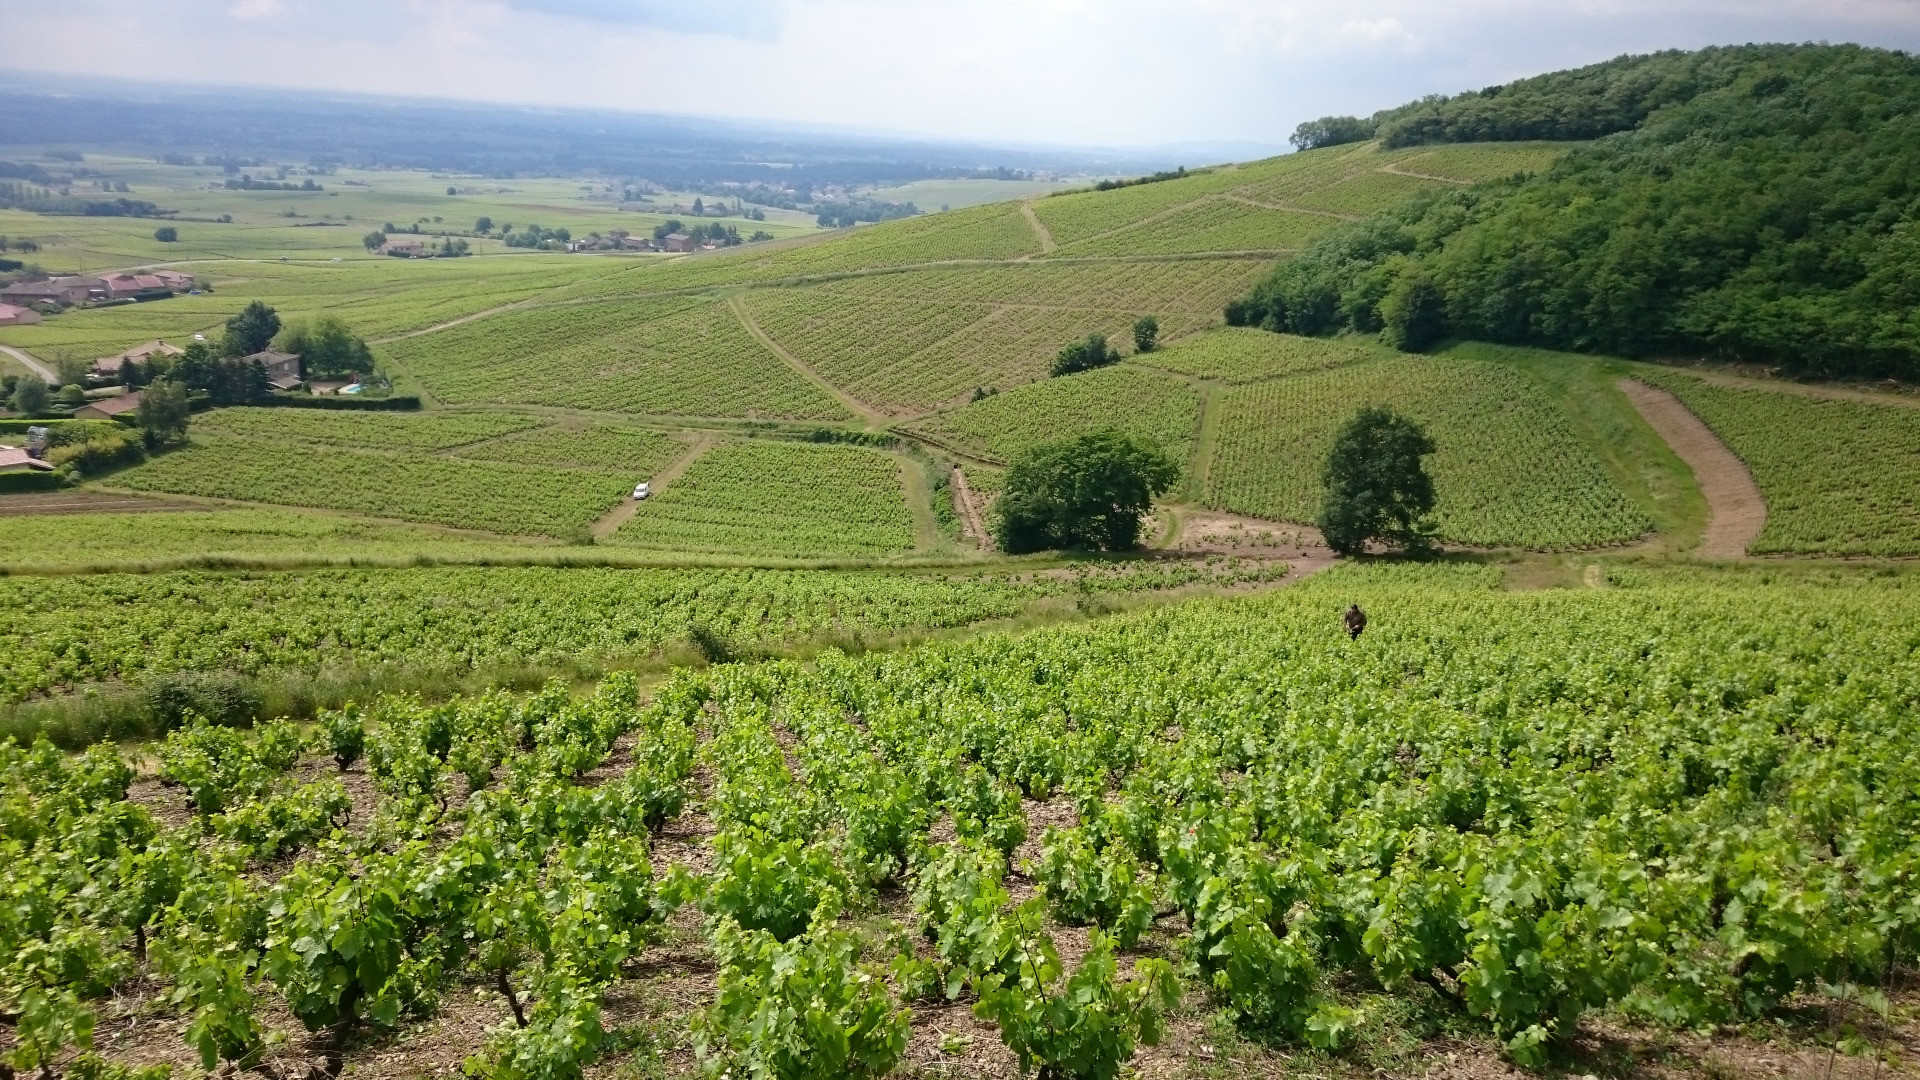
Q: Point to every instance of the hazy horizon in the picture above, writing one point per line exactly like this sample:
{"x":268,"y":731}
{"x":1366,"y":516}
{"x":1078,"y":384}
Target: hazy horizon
{"x":1127,"y":74}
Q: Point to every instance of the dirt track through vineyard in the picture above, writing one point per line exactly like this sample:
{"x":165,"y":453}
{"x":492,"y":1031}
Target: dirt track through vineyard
{"x":1736,"y":511}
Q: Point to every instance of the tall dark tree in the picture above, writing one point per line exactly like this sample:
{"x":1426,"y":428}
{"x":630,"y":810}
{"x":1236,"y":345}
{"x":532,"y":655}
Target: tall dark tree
{"x":1377,"y":487}
{"x":163,"y":412}
{"x":252,"y":330}
{"x":1146,"y":333}
{"x":1413,"y":314}
{"x":1088,"y":492}
{"x":1086,"y":354}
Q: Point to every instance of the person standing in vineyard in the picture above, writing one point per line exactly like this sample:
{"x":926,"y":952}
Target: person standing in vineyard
{"x":1356,"y":621}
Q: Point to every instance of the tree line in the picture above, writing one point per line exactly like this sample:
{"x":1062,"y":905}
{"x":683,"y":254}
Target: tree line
{"x":1769,"y":217}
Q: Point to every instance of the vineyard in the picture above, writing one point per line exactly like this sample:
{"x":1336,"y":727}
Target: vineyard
{"x":1488,"y":161}
{"x":30,"y":542}
{"x":682,"y":356}
{"x":1141,"y":401}
{"x":1365,"y":193}
{"x":601,"y":446}
{"x":1212,"y":225}
{"x":68,"y":632}
{"x":494,"y":497}
{"x":1495,"y":815}
{"x":382,"y":431}
{"x":1242,"y":355}
{"x":1839,"y":477}
{"x":1509,"y":470}
{"x":779,"y":498}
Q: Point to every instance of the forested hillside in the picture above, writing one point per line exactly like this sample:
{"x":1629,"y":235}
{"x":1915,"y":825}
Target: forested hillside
{"x":1753,"y":203}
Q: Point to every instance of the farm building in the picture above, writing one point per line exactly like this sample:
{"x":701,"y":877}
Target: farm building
{"x":108,"y":367}
{"x":108,"y":408}
{"x":404,"y":247}
{"x":14,"y":460}
{"x":679,"y":242}
{"x":283,"y":369}
{"x":13,"y":315}
{"x":65,"y":291}
{"x":121,"y":286}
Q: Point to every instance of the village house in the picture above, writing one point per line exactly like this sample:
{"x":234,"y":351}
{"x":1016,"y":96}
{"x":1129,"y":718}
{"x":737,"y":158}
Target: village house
{"x":404,"y":247}
{"x":283,"y":369}
{"x":108,"y":408}
{"x":17,"y":460}
{"x":679,"y":242}
{"x":108,"y":367}
{"x":175,"y":280}
{"x":121,"y":286}
{"x":65,"y":291}
{"x":13,"y":315}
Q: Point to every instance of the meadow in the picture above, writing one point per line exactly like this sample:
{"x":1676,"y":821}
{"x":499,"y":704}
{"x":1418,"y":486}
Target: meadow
{"x":1839,"y":476}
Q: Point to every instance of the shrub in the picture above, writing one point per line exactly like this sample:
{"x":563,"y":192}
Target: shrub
{"x":1086,"y":354}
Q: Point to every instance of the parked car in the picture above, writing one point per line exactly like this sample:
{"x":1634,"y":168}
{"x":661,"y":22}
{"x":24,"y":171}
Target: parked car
{"x":641,"y":491}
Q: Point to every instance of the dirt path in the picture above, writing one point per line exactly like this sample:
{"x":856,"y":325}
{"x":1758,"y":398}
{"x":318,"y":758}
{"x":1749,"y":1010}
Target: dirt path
{"x":83,"y":502}
{"x":860,"y":408}
{"x":1736,"y":511}
{"x":969,"y":513}
{"x":611,"y":521}
{"x":1046,"y":238}
{"x":31,"y":363}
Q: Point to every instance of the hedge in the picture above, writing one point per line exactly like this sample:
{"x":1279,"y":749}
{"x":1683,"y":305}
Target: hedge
{"x":28,"y":481}
{"x":402,"y":403}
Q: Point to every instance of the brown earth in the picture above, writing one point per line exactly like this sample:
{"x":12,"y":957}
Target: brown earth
{"x":1736,"y":511}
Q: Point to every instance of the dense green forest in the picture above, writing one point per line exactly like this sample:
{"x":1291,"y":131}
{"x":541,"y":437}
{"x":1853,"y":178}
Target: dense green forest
{"x":1754,"y":203}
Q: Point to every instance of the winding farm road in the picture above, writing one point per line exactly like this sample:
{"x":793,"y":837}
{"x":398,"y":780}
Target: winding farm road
{"x":1736,"y":511}
{"x":31,"y":363}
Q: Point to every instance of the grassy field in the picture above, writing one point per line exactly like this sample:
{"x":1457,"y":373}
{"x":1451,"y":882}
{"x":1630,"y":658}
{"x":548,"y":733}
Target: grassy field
{"x":1840,"y":477}
{"x":779,"y":498}
{"x":1509,"y":471}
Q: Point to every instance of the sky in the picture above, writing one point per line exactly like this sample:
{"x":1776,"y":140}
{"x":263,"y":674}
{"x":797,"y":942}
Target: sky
{"x":1106,"y":73}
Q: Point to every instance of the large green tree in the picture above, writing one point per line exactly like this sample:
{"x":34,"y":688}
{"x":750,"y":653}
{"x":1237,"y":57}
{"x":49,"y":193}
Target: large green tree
{"x":251,"y":330}
{"x":30,"y":396}
{"x":163,"y":412}
{"x":326,"y":347}
{"x":1377,"y":487}
{"x":1087,"y":492}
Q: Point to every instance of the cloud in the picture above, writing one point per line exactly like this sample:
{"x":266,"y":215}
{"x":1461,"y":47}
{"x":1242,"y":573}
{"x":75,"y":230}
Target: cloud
{"x":757,"y":20}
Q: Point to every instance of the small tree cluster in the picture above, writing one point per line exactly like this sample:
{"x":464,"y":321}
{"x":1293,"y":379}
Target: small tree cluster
{"x":1086,"y":354}
{"x":1088,"y":492}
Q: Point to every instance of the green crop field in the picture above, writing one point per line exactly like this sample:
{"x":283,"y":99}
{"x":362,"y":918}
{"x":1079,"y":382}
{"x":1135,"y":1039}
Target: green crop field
{"x":1238,"y":763}
{"x":36,"y":542}
{"x":1839,"y":477}
{"x":489,"y":496}
{"x":779,"y":498}
{"x":1365,"y":193}
{"x":1141,"y":401}
{"x":1509,"y":470}
{"x":1212,"y":225}
{"x":64,"y":632}
{"x":1242,"y":355}
{"x":600,"y":446}
{"x":681,"y":356}
{"x":387,"y":431}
